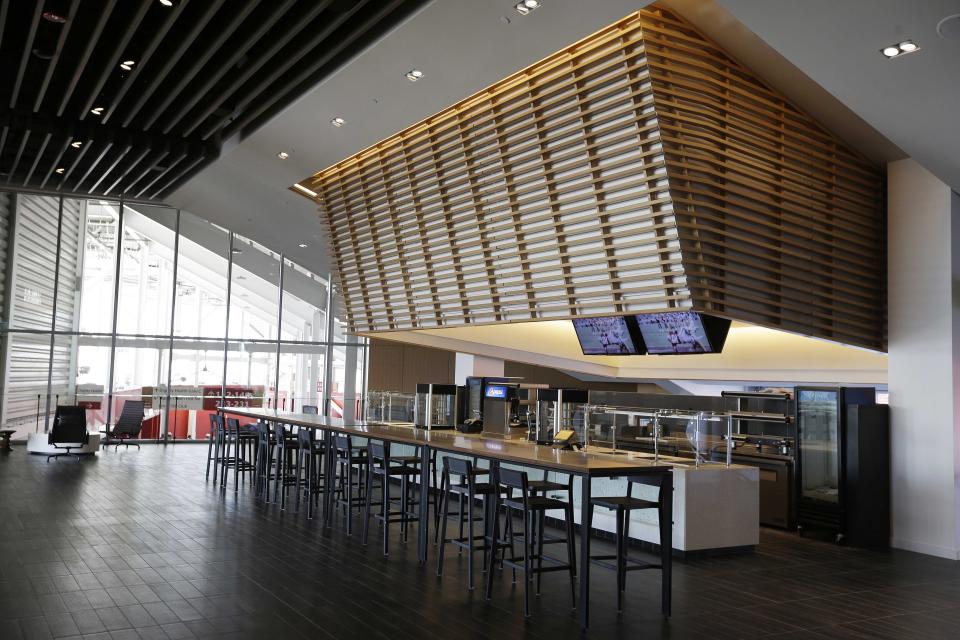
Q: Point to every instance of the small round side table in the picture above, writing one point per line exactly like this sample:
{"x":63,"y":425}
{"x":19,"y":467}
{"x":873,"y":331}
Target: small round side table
{"x":5,"y":442}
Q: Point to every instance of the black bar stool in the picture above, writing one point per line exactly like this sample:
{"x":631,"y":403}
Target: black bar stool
{"x":382,"y":466}
{"x":265,"y":460}
{"x":467,"y":489}
{"x":285,"y":447}
{"x":214,"y":443}
{"x":623,"y":506}
{"x":438,"y":495}
{"x":310,"y":468}
{"x":533,"y":509}
{"x":243,"y":442}
{"x":349,"y":458}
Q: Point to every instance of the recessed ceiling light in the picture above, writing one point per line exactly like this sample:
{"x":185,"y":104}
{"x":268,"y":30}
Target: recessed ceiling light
{"x":76,"y":144}
{"x":338,"y":121}
{"x":526,"y":6}
{"x":166,"y":3}
{"x":54,"y":17}
{"x":236,"y":250}
{"x":97,"y":111}
{"x":283,"y":155}
{"x":59,"y":170}
{"x":414,"y":74}
{"x":127,"y":65}
{"x":899,"y":49}
{"x":302,"y":246}
{"x":302,"y":189}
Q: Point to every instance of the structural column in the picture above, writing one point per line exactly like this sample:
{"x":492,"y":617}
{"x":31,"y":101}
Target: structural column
{"x":924,"y":355}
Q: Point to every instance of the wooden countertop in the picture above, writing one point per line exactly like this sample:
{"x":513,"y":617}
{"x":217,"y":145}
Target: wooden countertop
{"x":515,"y":451}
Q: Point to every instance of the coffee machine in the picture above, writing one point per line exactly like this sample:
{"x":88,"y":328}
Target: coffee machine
{"x":501,"y":404}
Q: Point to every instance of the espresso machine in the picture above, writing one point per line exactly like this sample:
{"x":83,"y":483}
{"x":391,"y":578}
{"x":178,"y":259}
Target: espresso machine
{"x":501,"y":407}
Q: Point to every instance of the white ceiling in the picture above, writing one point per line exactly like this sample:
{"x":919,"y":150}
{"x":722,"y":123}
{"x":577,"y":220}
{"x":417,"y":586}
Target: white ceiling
{"x":465,"y":45}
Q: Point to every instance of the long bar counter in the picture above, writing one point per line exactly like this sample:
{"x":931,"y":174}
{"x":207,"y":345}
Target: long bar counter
{"x":584,"y":465}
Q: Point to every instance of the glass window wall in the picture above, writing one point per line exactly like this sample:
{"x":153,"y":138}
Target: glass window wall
{"x":248,"y":327}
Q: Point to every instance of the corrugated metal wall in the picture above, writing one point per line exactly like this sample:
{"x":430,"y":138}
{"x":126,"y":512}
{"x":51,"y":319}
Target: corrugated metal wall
{"x":32,"y":286}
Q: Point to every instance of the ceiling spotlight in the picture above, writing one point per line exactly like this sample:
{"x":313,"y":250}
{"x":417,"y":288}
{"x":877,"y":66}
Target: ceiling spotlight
{"x":283,"y":155}
{"x":97,"y":111}
{"x":526,"y":6}
{"x":414,"y":74}
{"x":302,"y":245}
{"x":54,"y":17}
{"x":166,"y":3}
{"x":338,"y":121}
{"x":899,"y":49}
{"x":127,"y":65}
{"x":76,"y":144}
{"x":59,"y":170}
{"x":236,"y":251}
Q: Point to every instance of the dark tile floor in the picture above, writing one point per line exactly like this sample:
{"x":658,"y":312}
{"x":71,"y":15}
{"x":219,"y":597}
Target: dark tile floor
{"x":137,"y":545}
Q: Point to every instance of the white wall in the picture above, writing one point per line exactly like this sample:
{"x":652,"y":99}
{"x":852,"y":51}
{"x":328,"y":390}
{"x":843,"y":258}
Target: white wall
{"x":924,"y":341}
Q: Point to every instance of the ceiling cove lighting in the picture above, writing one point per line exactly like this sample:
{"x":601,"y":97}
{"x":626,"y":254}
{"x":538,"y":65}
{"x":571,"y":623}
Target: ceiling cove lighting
{"x":414,"y":74}
{"x":302,"y":189}
{"x":97,"y":111}
{"x":127,"y":65}
{"x":76,"y":144}
{"x":283,"y":155}
{"x":338,"y":121}
{"x":166,"y":3}
{"x":896,"y":50}
{"x":526,"y":6}
{"x":60,"y":170}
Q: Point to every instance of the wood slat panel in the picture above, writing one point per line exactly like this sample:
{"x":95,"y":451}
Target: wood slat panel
{"x":640,"y":169}
{"x":780,"y":223}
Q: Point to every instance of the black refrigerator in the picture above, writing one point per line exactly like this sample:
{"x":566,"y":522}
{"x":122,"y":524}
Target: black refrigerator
{"x":843,"y":460}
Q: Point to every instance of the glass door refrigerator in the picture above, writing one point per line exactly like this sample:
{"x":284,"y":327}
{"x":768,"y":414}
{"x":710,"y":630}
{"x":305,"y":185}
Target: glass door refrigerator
{"x":843,"y":463}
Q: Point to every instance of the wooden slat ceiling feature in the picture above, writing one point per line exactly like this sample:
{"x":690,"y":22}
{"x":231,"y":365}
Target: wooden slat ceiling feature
{"x":203,"y":72}
{"x":780,"y":223}
{"x":641,"y":169}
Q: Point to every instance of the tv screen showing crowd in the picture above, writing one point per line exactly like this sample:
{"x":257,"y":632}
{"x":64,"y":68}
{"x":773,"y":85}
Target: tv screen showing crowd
{"x":667,"y":333}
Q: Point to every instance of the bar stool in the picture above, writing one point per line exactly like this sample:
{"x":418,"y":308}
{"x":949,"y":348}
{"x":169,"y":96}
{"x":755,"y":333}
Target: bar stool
{"x":533,"y":509}
{"x":348,"y":458}
{"x":381,"y":465}
{"x":285,"y":447}
{"x":243,"y":442}
{"x":623,"y":506}
{"x":477,"y":472}
{"x":310,"y":463}
{"x":467,"y":489}
{"x":265,"y":460}
{"x":214,"y":442}
{"x":545,"y":487}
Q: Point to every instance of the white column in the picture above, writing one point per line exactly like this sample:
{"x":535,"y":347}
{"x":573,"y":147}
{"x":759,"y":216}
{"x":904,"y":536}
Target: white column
{"x":924,"y":353}
{"x":467,"y":364}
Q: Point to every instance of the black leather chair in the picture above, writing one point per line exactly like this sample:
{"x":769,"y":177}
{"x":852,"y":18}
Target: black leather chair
{"x":69,"y":431}
{"x":128,"y":425}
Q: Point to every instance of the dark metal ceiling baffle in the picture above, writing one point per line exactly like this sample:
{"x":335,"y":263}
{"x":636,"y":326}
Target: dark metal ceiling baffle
{"x":133,"y":97}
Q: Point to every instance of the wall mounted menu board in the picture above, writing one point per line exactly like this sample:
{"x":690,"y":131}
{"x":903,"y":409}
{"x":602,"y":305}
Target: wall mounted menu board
{"x":682,"y":332}
{"x":607,"y":336}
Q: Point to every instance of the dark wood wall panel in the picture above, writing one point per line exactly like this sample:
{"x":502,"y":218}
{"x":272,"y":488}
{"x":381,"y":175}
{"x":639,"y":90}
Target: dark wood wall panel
{"x":395,"y":366}
{"x":640,"y":169}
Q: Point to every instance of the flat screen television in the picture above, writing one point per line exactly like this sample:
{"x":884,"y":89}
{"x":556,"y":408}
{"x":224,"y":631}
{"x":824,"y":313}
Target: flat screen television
{"x":682,"y":332}
{"x":607,"y":336}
